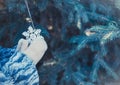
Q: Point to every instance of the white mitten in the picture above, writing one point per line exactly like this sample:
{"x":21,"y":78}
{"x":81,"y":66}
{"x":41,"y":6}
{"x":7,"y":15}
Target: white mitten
{"x":34,"y":47}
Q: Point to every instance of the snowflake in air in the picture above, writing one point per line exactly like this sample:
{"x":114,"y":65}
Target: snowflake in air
{"x":32,"y":34}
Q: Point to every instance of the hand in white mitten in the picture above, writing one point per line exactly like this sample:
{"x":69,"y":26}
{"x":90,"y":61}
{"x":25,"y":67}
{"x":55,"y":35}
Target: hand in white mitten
{"x":35,"y":50}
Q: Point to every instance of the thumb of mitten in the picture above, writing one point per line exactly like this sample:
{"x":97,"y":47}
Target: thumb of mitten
{"x":22,"y":45}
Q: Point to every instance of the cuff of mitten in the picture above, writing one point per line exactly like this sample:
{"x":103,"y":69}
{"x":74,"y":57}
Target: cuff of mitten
{"x":24,"y":57}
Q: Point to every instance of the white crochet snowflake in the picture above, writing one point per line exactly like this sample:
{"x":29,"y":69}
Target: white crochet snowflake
{"x":32,"y":34}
